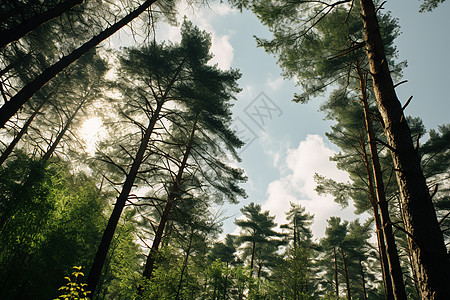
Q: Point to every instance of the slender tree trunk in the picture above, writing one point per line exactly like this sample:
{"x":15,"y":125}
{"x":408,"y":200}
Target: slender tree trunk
{"x":183,"y":269}
{"x":297,"y":275}
{"x":347,"y":281}
{"x":174,"y":193}
{"x":97,"y":265}
{"x":388,"y":289}
{"x":336,"y":273}
{"x":425,"y":239}
{"x":295,"y":235}
{"x":15,"y":103}
{"x":391,"y":248}
{"x":13,"y":34}
{"x":252,"y":258}
{"x":61,"y":134}
{"x":19,"y":136}
{"x":363,"y":281}
{"x":259,"y":270}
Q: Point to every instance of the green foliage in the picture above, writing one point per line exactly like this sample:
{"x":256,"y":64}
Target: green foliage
{"x":163,"y":285}
{"x":121,"y":274}
{"x":74,"y":289}
{"x":51,"y":220}
{"x":429,"y":5}
{"x":320,"y":43}
{"x":260,"y":241}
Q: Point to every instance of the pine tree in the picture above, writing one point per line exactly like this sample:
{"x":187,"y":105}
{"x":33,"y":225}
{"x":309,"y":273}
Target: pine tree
{"x":293,"y":39}
{"x":258,"y":236}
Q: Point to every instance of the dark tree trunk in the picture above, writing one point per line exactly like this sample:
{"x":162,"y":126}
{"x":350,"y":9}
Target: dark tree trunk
{"x":425,"y":239}
{"x":295,"y":235}
{"x":97,"y":265}
{"x":183,"y":269}
{"x":347,"y":280}
{"x":259,"y":270}
{"x":15,"y":103}
{"x":13,"y":34}
{"x":336,"y":273}
{"x":388,"y":289}
{"x":391,"y":248}
{"x":19,"y":136}
{"x":413,"y":276}
{"x":363,"y":281}
{"x":252,"y":259}
{"x":174,"y":193}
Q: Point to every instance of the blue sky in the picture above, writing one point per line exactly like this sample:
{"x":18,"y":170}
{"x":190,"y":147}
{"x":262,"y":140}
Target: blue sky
{"x":289,"y":146}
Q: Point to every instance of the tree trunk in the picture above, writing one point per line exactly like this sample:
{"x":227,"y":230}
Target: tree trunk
{"x":183,"y":269}
{"x":425,"y":239}
{"x":15,"y":33}
{"x":363,"y":281}
{"x":295,"y":235}
{"x":259,"y":270}
{"x":336,"y":273}
{"x":391,"y":248}
{"x":252,"y":258}
{"x":388,"y":289}
{"x":55,"y":144}
{"x":17,"y":138}
{"x":347,"y":280}
{"x":413,"y":276}
{"x":97,"y":265}
{"x":174,"y":193}
{"x":15,"y":103}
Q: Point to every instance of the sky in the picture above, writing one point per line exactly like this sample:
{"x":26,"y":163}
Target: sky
{"x":286,"y":143}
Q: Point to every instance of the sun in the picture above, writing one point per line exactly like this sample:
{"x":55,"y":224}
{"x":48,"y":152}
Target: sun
{"x":90,"y":133}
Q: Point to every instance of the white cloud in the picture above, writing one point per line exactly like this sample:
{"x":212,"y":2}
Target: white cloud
{"x":222,"y":50}
{"x":276,"y":83}
{"x":297,"y":184}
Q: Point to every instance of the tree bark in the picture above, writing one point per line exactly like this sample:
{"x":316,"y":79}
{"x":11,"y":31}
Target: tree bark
{"x":183,"y":269}
{"x":425,"y":239}
{"x":363,"y":281}
{"x":347,"y":280}
{"x":388,"y":289}
{"x":391,"y":248}
{"x":336,"y":273}
{"x":173,"y":195}
{"x":15,"y":103}
{"x":97,"y":265}
{"x":13,"y":34}
{"x":252,"y":259}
